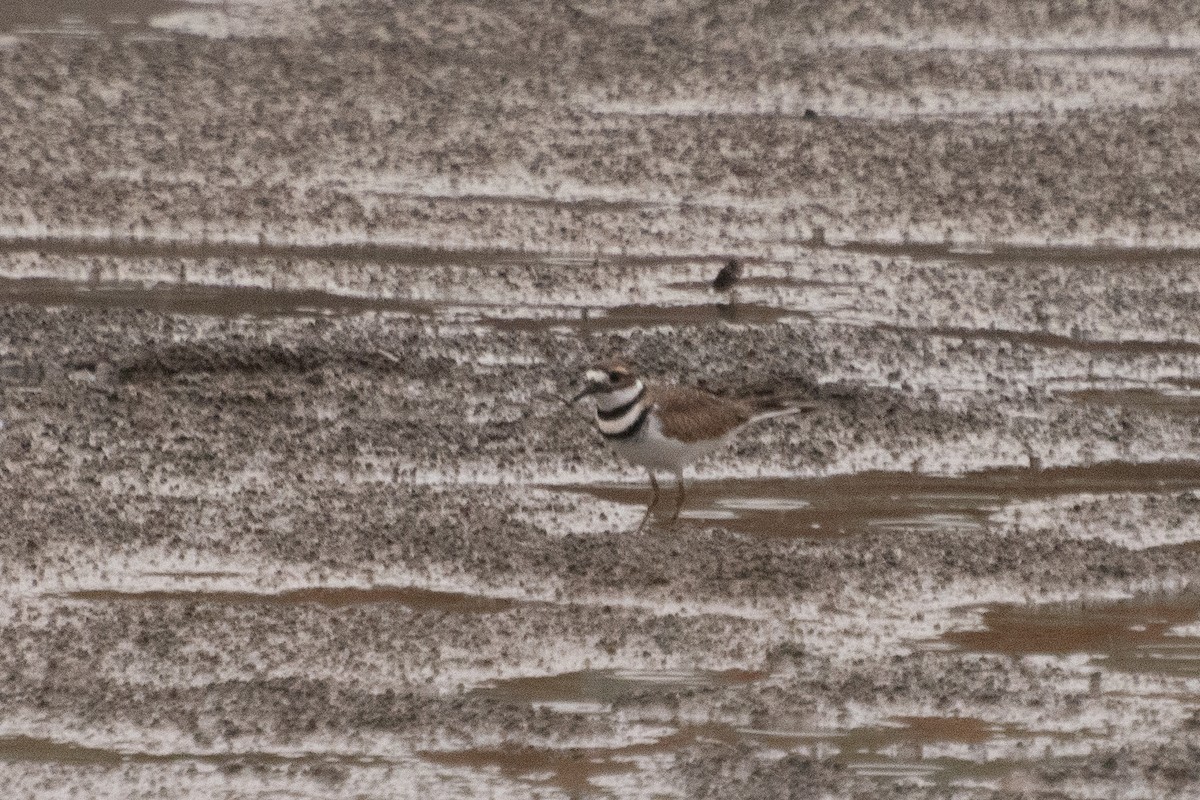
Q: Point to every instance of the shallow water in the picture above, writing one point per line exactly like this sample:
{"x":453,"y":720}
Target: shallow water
{"x":769,"y":282}
{"x":243,"y":301}
{"x":901,"y":748}
{"x":879,"y":501}
{"x":1002,"y":254}
{"x":1133,"y":635}
{"x":354,"y":252}
{"x":606,"y":686}
{"x":587,"y":320}
{"x":1055,"y":341}
{"x":1174,"y":402}
{"x":941,"y":750}
{"x":233,"y":301}
{"x":574,"y":770}
{"x":67,"y":16}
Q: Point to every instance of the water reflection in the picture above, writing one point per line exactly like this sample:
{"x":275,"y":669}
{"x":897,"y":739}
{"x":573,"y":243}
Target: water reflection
{"x":880,"y":501}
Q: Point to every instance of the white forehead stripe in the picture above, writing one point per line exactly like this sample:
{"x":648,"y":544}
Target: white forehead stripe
{"x":596,"y":376}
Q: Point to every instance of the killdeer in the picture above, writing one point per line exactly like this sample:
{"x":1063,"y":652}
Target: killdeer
{"x":666,"y":428}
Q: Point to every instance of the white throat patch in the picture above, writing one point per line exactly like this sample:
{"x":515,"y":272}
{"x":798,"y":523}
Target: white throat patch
{"x":607,"y":401}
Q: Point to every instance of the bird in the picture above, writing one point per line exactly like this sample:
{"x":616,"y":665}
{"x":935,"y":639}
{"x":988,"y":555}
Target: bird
{"x":729,"y":275}
{"x":665,"y":428}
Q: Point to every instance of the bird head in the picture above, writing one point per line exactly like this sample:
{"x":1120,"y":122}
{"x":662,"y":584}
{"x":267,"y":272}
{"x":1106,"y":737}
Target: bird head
{"x":605,"y":378}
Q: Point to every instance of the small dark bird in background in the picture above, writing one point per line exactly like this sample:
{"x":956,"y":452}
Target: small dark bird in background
{"x":730,"y":274}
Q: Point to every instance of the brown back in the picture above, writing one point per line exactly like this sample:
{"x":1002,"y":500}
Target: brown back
{"x":691,"y":415}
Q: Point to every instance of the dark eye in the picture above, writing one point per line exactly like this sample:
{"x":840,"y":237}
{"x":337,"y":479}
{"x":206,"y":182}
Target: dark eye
{"x":614,"y":376}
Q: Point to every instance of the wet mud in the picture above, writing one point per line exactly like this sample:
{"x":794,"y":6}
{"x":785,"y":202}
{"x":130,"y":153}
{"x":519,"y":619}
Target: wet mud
{"x":1136,"y":635}
{"x":331,"y":597}
{"x":630,"y":317}
{"x":78,"y":16}
{"x":878,"y":501}
{"x":291,"y":295}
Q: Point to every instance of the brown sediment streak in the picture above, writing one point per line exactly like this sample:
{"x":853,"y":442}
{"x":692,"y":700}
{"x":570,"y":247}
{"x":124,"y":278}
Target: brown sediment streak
{"x":607,"y":685}
{"x":881,"y":747}
{"x":48,"y":751}
{"x":219,"y":301}
{"x":373,"y":252}
{"x":1052,"y":341}
{"x":236,"y":301}
{"x":329,"y":597}
{"x":572,"y":769}
{"x":119,"y":14}
{"x":647,"y":316}
{"x":1142,"y":399}
{"x":1002,"y":253}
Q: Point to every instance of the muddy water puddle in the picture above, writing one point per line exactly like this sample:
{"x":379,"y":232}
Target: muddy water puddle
{"x":243,"y":301}
{"x":593,"y":320}
{"x":1131,"y":635}
{"x":1160,"y":400}
{"x":327,"y":597}
{"x":572,"y":771}
{"x":903,"y":749}
{"x":359,"y":252}
{"x":1052,"y":341}
{"x":879,"y":501}
{"x":19,"y":748}
{"x":235,"y":301}
{"x":929,"y":750}
{"x":898,"y":748}
{"x":576,"y":770}
{"x":983,"y":253}
{"x":603,"y":687}
{"x":81,"y":16}
{"x":216,"y":301}
{"x":769,"y":282}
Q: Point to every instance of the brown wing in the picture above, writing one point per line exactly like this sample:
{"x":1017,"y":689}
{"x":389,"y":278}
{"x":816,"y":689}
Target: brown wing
{"x":691,"y":415}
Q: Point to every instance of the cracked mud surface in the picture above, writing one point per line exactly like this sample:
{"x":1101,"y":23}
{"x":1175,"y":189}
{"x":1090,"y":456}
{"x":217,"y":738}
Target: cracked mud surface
{"x":290,"y":502}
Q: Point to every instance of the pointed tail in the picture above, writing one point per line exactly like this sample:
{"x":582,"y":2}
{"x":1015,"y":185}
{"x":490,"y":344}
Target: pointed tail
{"x":772,"y":407}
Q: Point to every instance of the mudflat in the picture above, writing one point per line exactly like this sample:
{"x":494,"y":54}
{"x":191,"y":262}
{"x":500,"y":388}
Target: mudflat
{"x":290,"y":505}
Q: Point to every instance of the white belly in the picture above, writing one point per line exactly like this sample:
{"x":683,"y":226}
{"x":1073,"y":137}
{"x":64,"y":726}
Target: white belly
{"x":652,"y":450}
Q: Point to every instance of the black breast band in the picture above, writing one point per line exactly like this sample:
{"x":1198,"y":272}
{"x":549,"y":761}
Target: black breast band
{"x":633,"y":429}
{"x":619,"y":411}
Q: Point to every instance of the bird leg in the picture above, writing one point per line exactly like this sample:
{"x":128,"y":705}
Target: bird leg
{"x":653,"y":501}
{"x":679,"y":497}
{"x":728,"y":309}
